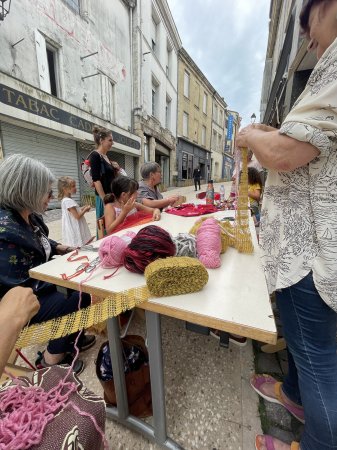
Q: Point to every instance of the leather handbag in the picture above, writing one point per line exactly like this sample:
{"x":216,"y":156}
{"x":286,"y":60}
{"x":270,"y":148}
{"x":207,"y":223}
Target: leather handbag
{"x":137,"y":375}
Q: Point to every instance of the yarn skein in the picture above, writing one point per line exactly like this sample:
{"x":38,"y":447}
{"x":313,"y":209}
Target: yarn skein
{"x":112,"y":249}
{"x":185,"y":244}
{"x":150,"y":243}
{"x":209,"y":243}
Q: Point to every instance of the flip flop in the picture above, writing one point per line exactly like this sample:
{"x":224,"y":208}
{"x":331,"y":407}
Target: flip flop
{"x":268,"y":442}
{"x":258,"y":380}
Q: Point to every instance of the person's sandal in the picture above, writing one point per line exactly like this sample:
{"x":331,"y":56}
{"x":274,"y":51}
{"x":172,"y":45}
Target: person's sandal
{"x":258,"y":380}
{"x":269,"y":443}
{"x":78,"y":367}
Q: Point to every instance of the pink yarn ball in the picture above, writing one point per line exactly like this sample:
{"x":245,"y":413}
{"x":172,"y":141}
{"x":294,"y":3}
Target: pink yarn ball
{"x":112,"y":249}
{"x":209,"y":243}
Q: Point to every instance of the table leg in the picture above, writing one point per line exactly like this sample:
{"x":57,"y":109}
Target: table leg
{"x":156,"y":433}
{"x":118,"y":367}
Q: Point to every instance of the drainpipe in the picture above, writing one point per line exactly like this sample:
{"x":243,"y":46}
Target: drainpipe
{"x":132,"y":5}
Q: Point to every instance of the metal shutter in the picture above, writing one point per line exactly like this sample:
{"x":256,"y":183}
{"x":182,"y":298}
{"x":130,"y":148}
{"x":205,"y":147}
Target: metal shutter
{"x":58,"y":154}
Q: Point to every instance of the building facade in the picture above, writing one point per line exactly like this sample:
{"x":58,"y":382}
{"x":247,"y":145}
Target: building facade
{"x":65,"y":66}
{"x":288,"y":64}
{"x":194,"y":119}
{"x":218,"y":136}
{"x":156,"y":43}
{"x":232,"y":125}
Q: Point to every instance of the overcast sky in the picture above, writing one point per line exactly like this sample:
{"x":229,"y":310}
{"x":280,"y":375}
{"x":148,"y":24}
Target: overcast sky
{"x":227,"y":39}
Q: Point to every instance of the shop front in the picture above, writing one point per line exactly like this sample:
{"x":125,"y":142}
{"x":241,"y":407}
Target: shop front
{"x":58,"y":134}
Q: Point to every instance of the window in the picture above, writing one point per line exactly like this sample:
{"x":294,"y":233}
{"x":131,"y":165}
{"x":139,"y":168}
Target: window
{"x":155,"y":93}
{"x":154,"y":32}
{"x":215,"y":115}
{"x":108,"y":98}
{"x":197,"y":95}
{"x":146,"y":149}
{"x":51,"y":58}
{"x":168,"y":60}
{"x":204,"y":103}
{"x":196,"y":131}
{"x":73,"y":4}
{"x":187,"y":84}
{"x":48,"y":65}
{"x":185,"y":124}
{"x":168,"y":112}
{"x":214,"y":140}
{"x":153,"y":110}
{"x":203,"y":135}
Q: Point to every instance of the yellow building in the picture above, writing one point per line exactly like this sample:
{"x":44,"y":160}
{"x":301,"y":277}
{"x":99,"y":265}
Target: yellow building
{"x":195,"y":97}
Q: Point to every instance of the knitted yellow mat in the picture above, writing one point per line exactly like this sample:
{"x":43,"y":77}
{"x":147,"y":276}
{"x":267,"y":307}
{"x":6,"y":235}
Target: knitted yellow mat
{"x":71,"y":323}
{"x":175,"y":276}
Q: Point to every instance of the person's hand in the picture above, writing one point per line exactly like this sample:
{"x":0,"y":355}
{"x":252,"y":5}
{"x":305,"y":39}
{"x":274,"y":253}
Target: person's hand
{"x":173,"y":199}
{"x":63,"y":249}
{"x":20,"y":305}
{"x":242,"y":137}
{"x":129,"y":205}
{"x":156,"y":214}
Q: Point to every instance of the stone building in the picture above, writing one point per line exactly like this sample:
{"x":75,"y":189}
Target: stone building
{"x":66,"y":65}
{"x":288,"y":64}
{"x":218,"y":136}
{"x":194,"y":119}
{"x":155,"y":47}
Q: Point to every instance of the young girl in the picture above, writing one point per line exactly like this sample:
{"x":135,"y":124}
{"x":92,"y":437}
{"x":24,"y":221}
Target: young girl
{"x":75,"y":230}
{"x":254,"y":192}
{"x":121,"y":204}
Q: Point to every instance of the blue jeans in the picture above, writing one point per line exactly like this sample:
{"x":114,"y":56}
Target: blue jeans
{"x":309,"y":327}
{"x":99,"y":207}
{"x":54,"y":304}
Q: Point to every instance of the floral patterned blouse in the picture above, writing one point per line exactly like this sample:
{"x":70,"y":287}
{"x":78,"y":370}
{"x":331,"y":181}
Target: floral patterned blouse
{"x":299,"y":213}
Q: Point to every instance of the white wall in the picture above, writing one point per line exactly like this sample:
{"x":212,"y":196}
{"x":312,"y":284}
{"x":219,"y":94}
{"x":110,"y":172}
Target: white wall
{"x":155,"y":64}
{"x":105,"y":28}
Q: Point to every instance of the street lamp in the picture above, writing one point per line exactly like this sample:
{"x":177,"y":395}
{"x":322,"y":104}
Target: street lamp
{"x":253,"y":118}
{"x":4,"y":10}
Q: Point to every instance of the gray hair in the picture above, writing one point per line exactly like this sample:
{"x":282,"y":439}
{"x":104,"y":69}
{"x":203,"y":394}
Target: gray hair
{"x":148,"y":168}
{"x":23,"y":183}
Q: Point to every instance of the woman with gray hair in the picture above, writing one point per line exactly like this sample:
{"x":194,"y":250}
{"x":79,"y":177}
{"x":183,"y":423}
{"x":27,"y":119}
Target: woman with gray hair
{"x":148,"y":192}
{"x":25,"y":191}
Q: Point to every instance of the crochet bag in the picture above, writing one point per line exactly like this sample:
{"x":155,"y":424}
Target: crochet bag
{"x":137,"y":375}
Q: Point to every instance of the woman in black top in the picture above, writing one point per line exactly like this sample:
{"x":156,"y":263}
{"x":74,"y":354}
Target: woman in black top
{"x":102,"y":171}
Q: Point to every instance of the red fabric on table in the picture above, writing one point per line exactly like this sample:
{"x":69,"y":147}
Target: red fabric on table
{"x":191,"y":210}
{"x":134,"y":219}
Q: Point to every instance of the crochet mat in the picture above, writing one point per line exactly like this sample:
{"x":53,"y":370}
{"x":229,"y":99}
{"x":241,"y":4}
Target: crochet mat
{"x":62,"y":326}
{"x":175,"y":275}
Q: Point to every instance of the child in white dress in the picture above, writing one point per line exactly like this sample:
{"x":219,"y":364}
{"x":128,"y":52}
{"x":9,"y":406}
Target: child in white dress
{"x":75,"y":230}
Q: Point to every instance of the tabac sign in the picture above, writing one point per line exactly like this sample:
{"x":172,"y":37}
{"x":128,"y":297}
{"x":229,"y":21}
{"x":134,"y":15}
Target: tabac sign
{"x":20,"y":100}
